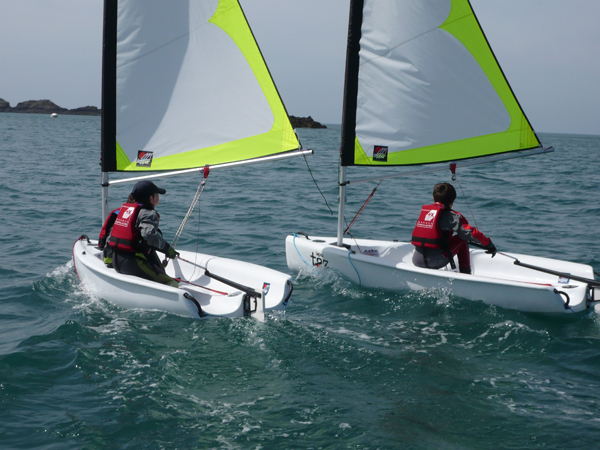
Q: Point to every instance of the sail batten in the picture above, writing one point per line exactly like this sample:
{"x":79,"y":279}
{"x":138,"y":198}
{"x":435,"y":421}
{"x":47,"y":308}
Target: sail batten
{"x":427,"y":87}
{"x":190,"y":88}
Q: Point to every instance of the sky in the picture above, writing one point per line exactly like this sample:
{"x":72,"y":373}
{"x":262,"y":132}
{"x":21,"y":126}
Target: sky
{"x":549,"y":51}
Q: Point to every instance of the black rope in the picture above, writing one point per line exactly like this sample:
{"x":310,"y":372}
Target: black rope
{"x":466,"y":201}
{"x":315,"y":181}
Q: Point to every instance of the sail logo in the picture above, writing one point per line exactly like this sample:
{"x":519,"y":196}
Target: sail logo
{"x":380,"y":153}
{"x":144,"y":159}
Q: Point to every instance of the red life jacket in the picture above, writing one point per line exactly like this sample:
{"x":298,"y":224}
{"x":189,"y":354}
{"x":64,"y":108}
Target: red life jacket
{"x":124,"y":234}
{"x":427,"y":232}
{"x":105,"y":231}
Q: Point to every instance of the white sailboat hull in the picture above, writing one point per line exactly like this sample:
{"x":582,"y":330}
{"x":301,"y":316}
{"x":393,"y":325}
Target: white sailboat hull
{"x":497,"y":281}
{"x":214,"y":297}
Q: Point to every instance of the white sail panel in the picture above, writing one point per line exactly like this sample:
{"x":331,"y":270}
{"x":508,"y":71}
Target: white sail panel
{"x":184,"y":83}
{"x":435,"y":91}
{"x":429,"y":88}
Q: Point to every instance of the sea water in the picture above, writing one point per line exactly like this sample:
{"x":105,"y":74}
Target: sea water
{"x":344,"y":367}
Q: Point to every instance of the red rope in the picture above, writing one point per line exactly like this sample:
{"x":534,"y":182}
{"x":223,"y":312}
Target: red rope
{"x":203,"y":287}
{"x":361,"y":209}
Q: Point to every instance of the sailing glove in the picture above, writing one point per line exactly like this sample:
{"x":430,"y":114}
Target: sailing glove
{"x":491,"y":249}
{"x":171,"y":253}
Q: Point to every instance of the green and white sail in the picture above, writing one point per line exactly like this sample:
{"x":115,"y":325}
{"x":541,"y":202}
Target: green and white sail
{"x":423,"y":86}
{"x":184,"y":86}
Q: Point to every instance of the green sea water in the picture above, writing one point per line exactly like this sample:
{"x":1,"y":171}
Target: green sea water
{"x":344,"y":367}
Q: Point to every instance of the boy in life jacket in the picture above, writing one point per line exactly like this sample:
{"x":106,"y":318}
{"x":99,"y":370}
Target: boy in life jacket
{"x":135,"y":236}
{"x":441,"y":233}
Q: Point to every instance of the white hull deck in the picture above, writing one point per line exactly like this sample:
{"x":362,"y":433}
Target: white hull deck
{"x":497,"y":281}
{"x":214,"y":297}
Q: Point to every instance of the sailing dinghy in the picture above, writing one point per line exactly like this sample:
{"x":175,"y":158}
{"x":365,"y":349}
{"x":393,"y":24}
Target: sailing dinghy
{"x":423,"y":87}
{"x":185,"y":87}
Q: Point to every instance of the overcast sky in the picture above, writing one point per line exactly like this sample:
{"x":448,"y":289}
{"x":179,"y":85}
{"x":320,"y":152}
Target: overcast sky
{"x":548,"y":49}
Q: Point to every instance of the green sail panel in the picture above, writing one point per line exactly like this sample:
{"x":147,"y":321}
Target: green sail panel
{"x":429,"y":88}
{"x":192,"y":88}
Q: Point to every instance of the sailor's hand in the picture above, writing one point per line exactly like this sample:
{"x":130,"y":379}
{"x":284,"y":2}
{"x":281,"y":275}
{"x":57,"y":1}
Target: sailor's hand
{"x":171,"y":253}
{"x":491,"y":249}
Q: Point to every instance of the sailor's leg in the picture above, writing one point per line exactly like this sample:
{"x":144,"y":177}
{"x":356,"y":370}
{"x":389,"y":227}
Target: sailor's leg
{"x":139,"y":266}
{"x":155,"y":273}
{"x":460,"y":248}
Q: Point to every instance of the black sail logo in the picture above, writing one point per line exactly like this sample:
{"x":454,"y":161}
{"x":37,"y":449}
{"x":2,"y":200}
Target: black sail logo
{"x":144,"y":159}
{"x":380,"y":153}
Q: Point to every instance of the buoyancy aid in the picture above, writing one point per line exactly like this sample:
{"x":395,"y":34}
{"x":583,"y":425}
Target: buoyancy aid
{"x":427,"y":232}
{"x":105,"y":231}
{"x":124,"y":234}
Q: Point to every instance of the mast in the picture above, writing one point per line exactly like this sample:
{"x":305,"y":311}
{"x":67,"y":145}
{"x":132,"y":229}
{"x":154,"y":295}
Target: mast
{"x":109,"y":98}
{"x":349,"y":106}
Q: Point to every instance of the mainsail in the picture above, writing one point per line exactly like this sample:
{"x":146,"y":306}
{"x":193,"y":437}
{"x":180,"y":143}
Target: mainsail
{"x":184,"y":86}
{"x":423,"y":86}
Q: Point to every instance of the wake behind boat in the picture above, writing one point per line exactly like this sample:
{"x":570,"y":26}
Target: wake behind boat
{"x":422,"y":87}
{"x":182,"y":96}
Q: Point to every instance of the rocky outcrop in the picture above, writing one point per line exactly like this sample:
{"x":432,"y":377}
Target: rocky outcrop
{"x":38,"y":107}
{"x":47,"y":107}
{"x":4,"y":105}
{"x":86,"y":111}
{"x":305,"y":122}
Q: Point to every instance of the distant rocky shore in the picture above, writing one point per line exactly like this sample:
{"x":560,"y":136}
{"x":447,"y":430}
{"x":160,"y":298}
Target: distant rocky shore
{"x":47,"y":107}
{"x":305,"y":122}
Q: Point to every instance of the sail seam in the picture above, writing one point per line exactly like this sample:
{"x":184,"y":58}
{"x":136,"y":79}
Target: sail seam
{"x":413,"y":38}
{"x":398,"y":46}
{"x":161,"y":47}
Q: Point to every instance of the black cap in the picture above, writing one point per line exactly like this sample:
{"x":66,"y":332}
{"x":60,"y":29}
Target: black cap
{"x":146,"y":188}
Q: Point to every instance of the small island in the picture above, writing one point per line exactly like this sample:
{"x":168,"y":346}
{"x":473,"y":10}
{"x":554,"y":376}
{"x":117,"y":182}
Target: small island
{"x":305,"y":122}
{"x":49,"y":107}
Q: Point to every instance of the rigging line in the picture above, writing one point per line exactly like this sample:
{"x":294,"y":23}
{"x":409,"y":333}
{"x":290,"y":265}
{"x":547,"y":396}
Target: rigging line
{"x":362,"y":207}
{"x":192,"y":206}
{"x":352,"y":264}
{"x":467,"y":202}
{"x":315,"y":181}
{"x":455,"y":178}
{"x":351,"y":237}
{"x":181,"y":280}
{"x":356,"y":242}
{"x":197,"y":240}
{"x":296,"y":247}
{"x":205,"y":173}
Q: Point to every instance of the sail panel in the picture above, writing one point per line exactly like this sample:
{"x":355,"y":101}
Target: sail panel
{"x":430,"y":88}
{"x":193,"y":88}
